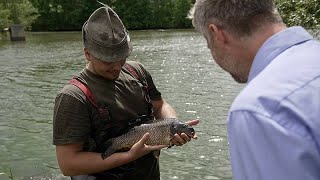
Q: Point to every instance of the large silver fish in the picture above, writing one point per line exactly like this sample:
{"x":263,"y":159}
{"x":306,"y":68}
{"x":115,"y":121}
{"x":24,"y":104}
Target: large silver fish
{"x":161,"y":132}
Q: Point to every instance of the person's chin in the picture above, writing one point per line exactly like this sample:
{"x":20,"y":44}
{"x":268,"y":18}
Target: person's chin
{"x":239,"y":79}
{"x":113,"y":78}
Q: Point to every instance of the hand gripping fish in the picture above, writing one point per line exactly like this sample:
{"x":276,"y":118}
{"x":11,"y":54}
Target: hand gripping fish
{"x":161,"y":132}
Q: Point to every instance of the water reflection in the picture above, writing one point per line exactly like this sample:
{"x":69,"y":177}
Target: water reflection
{"x":32,"y":73}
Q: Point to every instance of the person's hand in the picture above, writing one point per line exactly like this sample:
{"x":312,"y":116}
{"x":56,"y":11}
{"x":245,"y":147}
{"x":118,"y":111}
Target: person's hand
{"x":181,"y":139}
{"x":140,"y":148}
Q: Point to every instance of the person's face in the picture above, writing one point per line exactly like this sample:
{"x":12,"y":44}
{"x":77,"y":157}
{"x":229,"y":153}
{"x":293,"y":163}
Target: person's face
{"x":108,"y":70}
{"x":224,"y":56}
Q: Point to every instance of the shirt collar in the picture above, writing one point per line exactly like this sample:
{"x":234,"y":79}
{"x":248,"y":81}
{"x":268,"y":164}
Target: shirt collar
{"x":275,"y":45}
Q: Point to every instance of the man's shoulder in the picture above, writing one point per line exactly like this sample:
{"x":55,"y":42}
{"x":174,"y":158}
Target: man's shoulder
{"x":254,"y":102}
{"x":262,"y":97}
{"x":136,"y":65}
{"x":70,"y":90}
{"x":267,"y":96}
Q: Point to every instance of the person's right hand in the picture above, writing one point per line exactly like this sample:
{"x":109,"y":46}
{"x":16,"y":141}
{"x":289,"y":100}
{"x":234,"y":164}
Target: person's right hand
{"x":140,"y":148}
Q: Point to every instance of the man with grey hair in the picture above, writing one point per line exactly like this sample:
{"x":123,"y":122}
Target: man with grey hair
{"x":108,"y":97}
{"x":273,"y":124}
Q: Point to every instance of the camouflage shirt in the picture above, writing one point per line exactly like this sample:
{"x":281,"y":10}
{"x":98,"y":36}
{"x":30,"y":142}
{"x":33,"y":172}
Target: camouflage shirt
{"x":77,"y":120}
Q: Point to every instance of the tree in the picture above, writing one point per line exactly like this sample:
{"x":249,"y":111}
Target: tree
{"x":300,"y":12}
{"x":17,"y":12}
{"x":135,"y":14}
{"x":63,"y":15}
{"x":4,"y":17}
{"x":181,"y":10}
{"x":163,"y":14}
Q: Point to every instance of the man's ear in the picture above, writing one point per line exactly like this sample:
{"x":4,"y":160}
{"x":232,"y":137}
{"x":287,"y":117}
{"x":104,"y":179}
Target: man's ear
{"x":218,"y":34}
{"x":87,"y":54}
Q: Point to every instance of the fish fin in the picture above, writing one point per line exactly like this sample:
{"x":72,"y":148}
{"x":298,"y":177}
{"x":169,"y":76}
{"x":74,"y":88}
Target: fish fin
{"x":108,"y":153}
{"x":108,"y":145}
{"x":156,"y":153}
{"x":170,"y":145}
{"x":170,"y":142}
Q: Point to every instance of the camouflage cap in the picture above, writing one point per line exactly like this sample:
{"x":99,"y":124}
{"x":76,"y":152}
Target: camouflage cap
{"x":105,"y":36}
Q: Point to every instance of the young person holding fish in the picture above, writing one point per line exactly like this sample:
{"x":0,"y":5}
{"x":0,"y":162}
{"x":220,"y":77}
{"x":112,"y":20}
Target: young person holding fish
{"x":274,"y":123}
{"x":104,"y":101}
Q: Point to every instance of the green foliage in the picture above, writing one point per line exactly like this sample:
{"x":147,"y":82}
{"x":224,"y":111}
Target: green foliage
{"x":145,"y":14}
{"x":154,"y":14}
{"x":300,"y":12}
{"x":135,"y":14}
{"x":4,"y":17}
{"x":62,"y":15}
{"x":181,"y":10}
{"x":162,"y":14}
{"x":17,"y":12}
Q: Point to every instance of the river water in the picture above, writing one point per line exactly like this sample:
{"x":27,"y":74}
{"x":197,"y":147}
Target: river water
{"x":32,"y":72}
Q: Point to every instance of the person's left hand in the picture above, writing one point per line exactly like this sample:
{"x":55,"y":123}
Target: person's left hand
{"x":183,"y":138}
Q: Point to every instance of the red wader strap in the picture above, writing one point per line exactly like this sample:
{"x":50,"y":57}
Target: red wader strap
{"x":85,"y":90}
{"x":132,"y":71}
{"x":104,"y":111}
{"x":145,"y":87}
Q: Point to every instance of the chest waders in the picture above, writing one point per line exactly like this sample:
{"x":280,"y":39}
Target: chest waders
{"x":108,"y":130}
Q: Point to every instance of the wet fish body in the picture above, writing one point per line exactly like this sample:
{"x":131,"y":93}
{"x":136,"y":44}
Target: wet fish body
{"x":160,"y":131}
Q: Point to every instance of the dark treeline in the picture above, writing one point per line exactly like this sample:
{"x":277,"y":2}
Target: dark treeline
{"x":69,"y":15}
{"x":62,"y":15}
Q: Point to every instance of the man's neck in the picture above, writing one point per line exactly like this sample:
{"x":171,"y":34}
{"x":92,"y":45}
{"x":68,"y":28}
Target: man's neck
{"x":90,"y":68}
{"x":262,"y":35}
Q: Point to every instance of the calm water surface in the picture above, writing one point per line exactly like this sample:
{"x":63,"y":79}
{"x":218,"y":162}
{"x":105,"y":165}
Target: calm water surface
{"x":32,"y":73}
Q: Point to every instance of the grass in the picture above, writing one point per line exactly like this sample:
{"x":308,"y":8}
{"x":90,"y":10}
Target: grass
{"x":10,"y":175}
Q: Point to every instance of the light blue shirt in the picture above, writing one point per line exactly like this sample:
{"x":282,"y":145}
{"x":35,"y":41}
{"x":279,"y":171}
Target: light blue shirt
{"x":274,"y":123}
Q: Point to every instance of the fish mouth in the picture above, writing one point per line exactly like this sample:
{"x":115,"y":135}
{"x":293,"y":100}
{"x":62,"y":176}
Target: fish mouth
{"x":192,"y":132}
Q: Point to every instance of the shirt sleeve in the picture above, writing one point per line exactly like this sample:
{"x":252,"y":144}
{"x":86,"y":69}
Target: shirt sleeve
{"x":71,"y":120}
{"x":262,"y":148}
